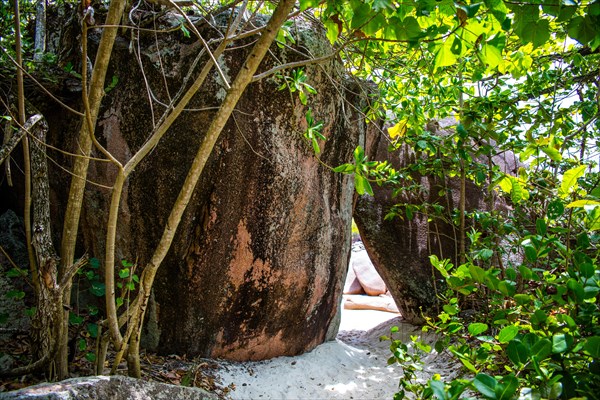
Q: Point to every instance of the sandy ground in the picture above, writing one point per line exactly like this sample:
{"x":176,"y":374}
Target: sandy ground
{"x":354,"y":366}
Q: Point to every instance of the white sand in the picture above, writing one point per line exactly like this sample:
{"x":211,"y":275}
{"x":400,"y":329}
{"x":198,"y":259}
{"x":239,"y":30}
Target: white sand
{"x":354,"y":366}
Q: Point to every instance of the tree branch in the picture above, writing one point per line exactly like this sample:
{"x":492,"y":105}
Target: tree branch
{"x":8,"y":147}
{"x":295,"y":64}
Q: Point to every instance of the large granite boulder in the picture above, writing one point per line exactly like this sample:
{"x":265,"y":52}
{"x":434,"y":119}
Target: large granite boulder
{"x":108,"y":387}
{"x":258,"y":263}
{"x":400,"y":248}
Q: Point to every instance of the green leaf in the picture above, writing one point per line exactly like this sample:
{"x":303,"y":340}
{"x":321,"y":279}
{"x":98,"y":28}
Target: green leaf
{"x":303,"y":98}
{"x":557,"y":389}
{"x":15,"y":294}
{"x":583,"y":29}
{"x":332,"y":30}
{"x":457,"y":46}
{"x":569,"y":181}
{"x":556,"y":208}
{"x":508,"y":333}
{"x":592,"y":219}
{"x":562,"y":10}
{"x":522,"y":299}
{"x":409,"y":30}
{"x":469,"y":365}
{"x":576,"y":290}
{"x":75,"y":319}
{"x":517,"y":191}
{"x":530,"y":253}
{"x":491,"y":56}
{"x":560,"y":343}
{"x":471,"y":10}
{"x":124,"y":273}
{"x":583,"y":203}
{"x":553,"y":153}
{"x":344,"y":168}
{"x":587,"y":270}
{"x":507,"y":387}
{"x":592,"y":346}
{"x":94,"y":263}
{"x":14,"y":273}
{"x":92,"y":330}
{"x":409,"y":212}
{"x":506,"y":288}
{"x":497,"y":8}
{"x":306,"y":4}
{"x":185,"y":30}
{"x":360,"y":184}
{"x":362,"y":14}
{"x":98,"y":289}
{"x":315,"y":146}
{"x":444,"y":56}
{"x":517,"y":353}
{"x":541,"y":349}
{"x":450,"y":309}
{"x":484,"y":254}
{"x":538,"y":317}
{"x":379,"y":5}
{"x":359,"y":154}
{"x":81,"y":344}
{"x":438,"y":388}
{"x":477,"y":328}
{"x":477,"y":273}
{"x":511,"y":274}
{"x":486,"y":385}
{"x":528,"y":25}
{"x":113,"y":83}
{"x":526,"y":273}
{"x":526,"y":16}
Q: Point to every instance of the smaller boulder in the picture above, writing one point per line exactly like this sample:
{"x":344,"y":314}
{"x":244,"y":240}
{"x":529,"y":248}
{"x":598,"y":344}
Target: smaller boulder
{"x":383,"y":302}
{"x":352,"y":285}
{"x":108,"y":387}
{"x":365,"y":272}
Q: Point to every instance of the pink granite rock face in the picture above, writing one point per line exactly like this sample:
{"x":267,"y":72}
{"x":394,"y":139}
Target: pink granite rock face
{"x":258,"y":263}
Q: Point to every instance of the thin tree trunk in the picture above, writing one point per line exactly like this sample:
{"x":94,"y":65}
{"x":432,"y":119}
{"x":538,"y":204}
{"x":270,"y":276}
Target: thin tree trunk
{"x":463,"y":182}
{"x":40,"y":31}
{"x":47,"y":322}
{"x":238,"y":87}
{"x":462,"y":207}
{"x":80,"y":167}
{"x":25,"y":142}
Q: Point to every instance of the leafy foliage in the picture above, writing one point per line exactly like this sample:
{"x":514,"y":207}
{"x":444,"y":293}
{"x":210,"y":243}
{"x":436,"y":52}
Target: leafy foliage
{"x":521,"y":312}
